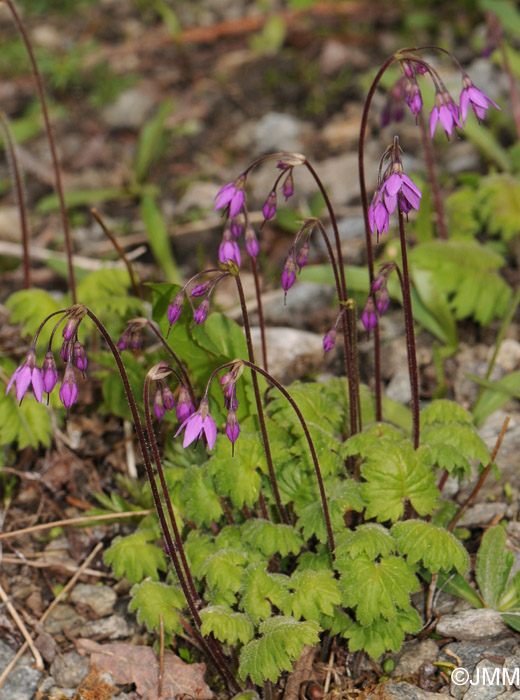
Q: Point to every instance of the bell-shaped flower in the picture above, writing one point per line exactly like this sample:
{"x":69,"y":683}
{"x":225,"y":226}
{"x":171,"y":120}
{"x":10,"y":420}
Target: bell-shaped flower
{"x":474,"y":98}
{"x":49,"y":373}
{"x":69,"y":388}
{"x":185,"y":406}
{"x":26,"y":375}
{"x":197,"y":424}
{"x":446,"y":112}
{"x":231,"y":195}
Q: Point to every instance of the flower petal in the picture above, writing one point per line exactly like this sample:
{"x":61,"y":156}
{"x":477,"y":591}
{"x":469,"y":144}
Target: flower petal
{"x":193,"y":429}
{"x":13,"y":379}
{"x":37,"y":384}
{"x":210,"y":430}
{"x":22,"y":382}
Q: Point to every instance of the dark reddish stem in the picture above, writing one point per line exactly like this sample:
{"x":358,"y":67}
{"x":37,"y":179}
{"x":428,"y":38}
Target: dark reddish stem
{"x":210,"y":646}
{"x":404,"y":278}
{"x":260,"y":312}
{"x":432,"y":178}
{"x":482,"y":478}
{"x":12,"y":158}
{"x":259,"y":406}
{"x":52,"y":146}
{"x":175,"y":357}
{"x":368,"y":236}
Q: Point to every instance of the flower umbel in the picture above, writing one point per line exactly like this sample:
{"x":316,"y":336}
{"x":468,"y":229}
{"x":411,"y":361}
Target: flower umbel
{"x":198,"y":423}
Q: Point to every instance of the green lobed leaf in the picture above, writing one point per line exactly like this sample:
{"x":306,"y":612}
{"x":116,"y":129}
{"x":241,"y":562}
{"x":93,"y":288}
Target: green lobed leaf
{"x":383,"y":635}
{"x":464,"y":440}
{"x":434,"y":546}
{"x":198,"y":546}
{"x":135,"y":557}
{"x":27,"y":425}
{"x":444,"y":411}
{"x":394,"y":473}
{"x":493,"y":565}
{"x":462,"y":213}
{"x":29,"y":307}
{"x":227,"y":626}
{"x":467,"y":273}
{"x":200,"y":501}
{"x":499,"y":201}
{"x":260,"y":590}
{"x":238,"y":477}
{"x":151,"y":599}
{"x":223,"y":569}
{"x":272,"y":538}
{"x":281,"y":643}
{"x":370,"y":539}
{"x":376,"y":588}
{"x":315,"y":594}
{"x":341,"y":497}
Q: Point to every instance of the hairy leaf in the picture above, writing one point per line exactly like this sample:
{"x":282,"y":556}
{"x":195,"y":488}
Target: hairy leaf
{"x":227,"y":626}
{"x":135,"y":557}
{"x":271,"y":538}
{"x":29,"y":307}
{"x":376,"y":588}
{"x":493,"y":565}
{"x":199,"y":498}
{"x":434,"y":546}
{"x":223,"y":569}
{"x":394,"y":473}
{"x":315,"y":594}
{"x":238,"y":477}
{"x":383,"y":635}
{"x":371,"y":539}
{"x":281,"y":643}
{"x":261,"y":589}
{"x":151,"y":599}
{"x":445,"y":411}
{"x":341,"y":497}
{"x":27,"y":425}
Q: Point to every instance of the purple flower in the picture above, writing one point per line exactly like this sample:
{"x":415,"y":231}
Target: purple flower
{"x":158,"y":404}
{"x":228,"y":382}
{"x":185,"y":407}
{"x":474,"y":98}
{"x":175,"y":308}
{"x":200,"y":289}
{"x":413,"y":96}
{"x":70,"y":328}
{"x":49,"y":373}
{"x":378,"y":217}
{"x":382,"y":301}
{"x":232,"y":427}
{"x":303,"y":254}
{"x":329,"y":340}
{"x":201,"y":314}
{"x":68,"y":389}
{"x":369,"y":315}
{"x":198,"y":423}
{"x":124,"y":341}
{"x":399,"y":184}
{"x":252,"y":246}
{"x":24,"y":376}
{"x":288,"y":272}
{"x":269,"y":208}
{"x":445,"y":111}
{"x":229,"y":251}
{"x":79,"y":356}
{"x":137,"y":340}
{"x":167,"y":397}
{"x":236,"y":228}
{"x":288,"y":186}
{"x":65,"y":351}
{"x":231,"y":194}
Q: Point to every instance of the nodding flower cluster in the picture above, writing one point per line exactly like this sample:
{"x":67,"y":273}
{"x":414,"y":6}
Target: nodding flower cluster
{"x":201,"y":422}
{"x":298,"y":254}
{"x":378,"y":298}
{"x":163,"y":398}
{"x":45,"y":379}
{"x":205,"y":289}
{"x":231,"y":199}
{"x":394,"y":188}
{"x":445,"y":111}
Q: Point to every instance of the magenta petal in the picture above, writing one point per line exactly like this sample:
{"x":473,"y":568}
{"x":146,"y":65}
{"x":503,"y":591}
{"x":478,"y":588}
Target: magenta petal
{"x":390,"y":203}
{"x":411,"y":184}
{"x":411,"y":197}
{"x":37,"y":384}
{"x":224,"y":195}
{"x":446,"y":119}
{"x":22,"y":382}
{"x":477,"y":97}
{"x":434,"y":116}
{"x":193,"y":429}
{"x":13,"y":379}
{"x":393,"y":184}
{"x":210,"y":430}
{"x":237,"y":202}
